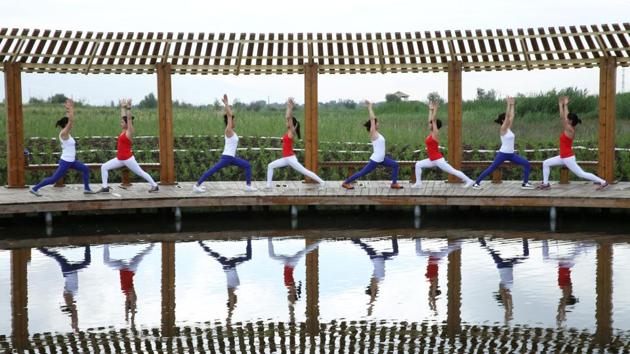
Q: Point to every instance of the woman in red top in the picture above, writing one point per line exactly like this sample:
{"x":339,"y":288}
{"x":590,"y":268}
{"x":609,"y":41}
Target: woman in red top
{"x":567,"y":157}
{"x":435,"y":157}
{"x":288,"y":156}
{"x":124,"y":155}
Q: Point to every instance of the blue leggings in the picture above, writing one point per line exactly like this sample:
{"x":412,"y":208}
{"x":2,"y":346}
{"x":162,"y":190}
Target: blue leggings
{"x":225,"y":161}
{"x":61,"y":171}
{"x":387,"y":162}
{"x":502,"y":157}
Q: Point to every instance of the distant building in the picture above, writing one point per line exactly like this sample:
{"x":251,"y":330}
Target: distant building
{"x":403,"y":96}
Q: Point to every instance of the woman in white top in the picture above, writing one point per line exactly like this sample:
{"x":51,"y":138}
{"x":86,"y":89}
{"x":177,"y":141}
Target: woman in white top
{"x":228,"y":157}
{"x":378,"y":156}
{"x":506,"y":152}
{"x":68,"y":154}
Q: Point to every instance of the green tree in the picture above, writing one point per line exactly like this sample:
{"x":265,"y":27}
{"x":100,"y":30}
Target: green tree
{"x":57,"y":98}
{"x":149,"y":101}
{"x":390,"y":97}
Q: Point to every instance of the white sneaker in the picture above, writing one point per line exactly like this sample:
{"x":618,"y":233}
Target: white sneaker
{"x":198,"y":189}
{"x":322,"y":185}
{"x":469,"y":183}
{"x":527,"y":186}
{"x":476,"y":186}
{"x":250,"y":189}
{"x":269,"y":186}
{"x":416,"y":185}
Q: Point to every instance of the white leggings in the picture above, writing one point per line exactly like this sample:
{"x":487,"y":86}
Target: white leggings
{"x":572,"y":165}
{"x":442,"y":165}
{"x":130,"y":163}
{"x":293,"y":162}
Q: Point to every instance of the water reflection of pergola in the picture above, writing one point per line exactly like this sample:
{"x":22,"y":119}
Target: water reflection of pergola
{"x":359,"y":335}
{"x":37,"y":51}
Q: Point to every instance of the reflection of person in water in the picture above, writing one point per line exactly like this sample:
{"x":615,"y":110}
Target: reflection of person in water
{"x":229,"y":267}
{"x":71,"y":281}
{"x":127,"y":270}
{"x":378,"y":273}
{"x":433,"y":261}
{"x":565,"y":263}
{"x":506,"y":274}
{"x":290,"y":262}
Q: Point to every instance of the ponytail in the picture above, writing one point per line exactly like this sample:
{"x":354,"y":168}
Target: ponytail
{"x":296,"y":125}
{"x":62,"y":122}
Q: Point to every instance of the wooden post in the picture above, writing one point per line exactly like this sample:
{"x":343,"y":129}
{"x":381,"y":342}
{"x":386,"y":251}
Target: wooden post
{"x":312,"y":290}
{"x":603,"y":286}
{"x":19,"y":298}
{"x":15,"y":125}
{"x":310,"y":117}
{"x":606,"y":143}
{"x":454,"y":292}
{"x":455,"y":117}
{"x":165,"y":118}
{"x":168,"y":289}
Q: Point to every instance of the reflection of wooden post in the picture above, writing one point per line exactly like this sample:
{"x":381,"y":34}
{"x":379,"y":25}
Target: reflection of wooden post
{"x":312,"y":290}
{"x":603,"y":310}
{"x":310,"y":117}
{"x":606,"y":143}
{"x":165,"y":118}
{"x":15,"y":125}
{"x":19,"y":297}
{"x":454,"y":292}
{"x":455,"y":117}
{"x":168,"y":288}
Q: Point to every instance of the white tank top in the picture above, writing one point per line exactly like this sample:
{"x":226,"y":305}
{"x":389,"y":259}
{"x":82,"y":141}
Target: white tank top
{"x":378,"y":145}
{"x":68,"y":149}
{"x":230,"y":145}
{"x":507,"y":142}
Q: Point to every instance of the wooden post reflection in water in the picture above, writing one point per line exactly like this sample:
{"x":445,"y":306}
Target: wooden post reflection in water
{"x":454,"y":294}
{"x":312,"y":290}
{"x":19,"y":297}
{"x":168,"y":288}
{"x":604,"y":306}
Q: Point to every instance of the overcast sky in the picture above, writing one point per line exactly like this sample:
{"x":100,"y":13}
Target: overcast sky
{"x":314,"y":16}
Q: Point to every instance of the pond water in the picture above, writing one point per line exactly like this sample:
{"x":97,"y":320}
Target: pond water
{"x":314,"y":290}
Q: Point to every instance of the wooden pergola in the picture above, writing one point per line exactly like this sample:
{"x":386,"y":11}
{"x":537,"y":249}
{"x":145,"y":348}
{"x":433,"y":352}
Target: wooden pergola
{"x":309,"y":54}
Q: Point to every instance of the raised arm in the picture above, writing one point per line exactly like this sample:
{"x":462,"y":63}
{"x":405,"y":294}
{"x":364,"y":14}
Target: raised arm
{"x":509,"y":115}
{"x":563,"y":106}
{"x":229,"y":132}
{"x":130,"y":129}
{"x":289,"y":117}
{"x":65,"y":132}
{"x":373,"y":132}
{"x":433,"y":108}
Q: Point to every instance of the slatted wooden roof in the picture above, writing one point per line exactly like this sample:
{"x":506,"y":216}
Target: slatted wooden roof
{"x":56,"y":51}
{"x":342,"y":337}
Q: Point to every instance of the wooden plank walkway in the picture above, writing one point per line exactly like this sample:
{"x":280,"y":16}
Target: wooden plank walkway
{"x":508,"y":193}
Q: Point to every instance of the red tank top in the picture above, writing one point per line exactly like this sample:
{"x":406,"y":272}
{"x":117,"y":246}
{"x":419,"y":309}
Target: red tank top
{"x":126,"y":280}
{"x":287,"y":146}
{"x":432,"y":148}
{"x":123,"y":147}
{"x":566,"y":146}
{"x":564,"y":277}
{"x":288,"y":276}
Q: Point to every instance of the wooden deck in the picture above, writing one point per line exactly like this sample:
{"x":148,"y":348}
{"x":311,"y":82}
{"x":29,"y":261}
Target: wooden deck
{"x":71,"y":198}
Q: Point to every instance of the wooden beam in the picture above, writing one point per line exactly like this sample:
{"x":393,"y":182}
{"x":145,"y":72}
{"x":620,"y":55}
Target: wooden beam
{"x":312,"y":290}
{"x":607,"y":113}
{"x":455,"y":117}
{"x":454,"y":292}
{"x":15,"y":125}
{"x":19,"y":297}
{"x":603,"y":287}
{"x":165,"y":118}
{"x":310,"y":117}
{"x":168,"y":288}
